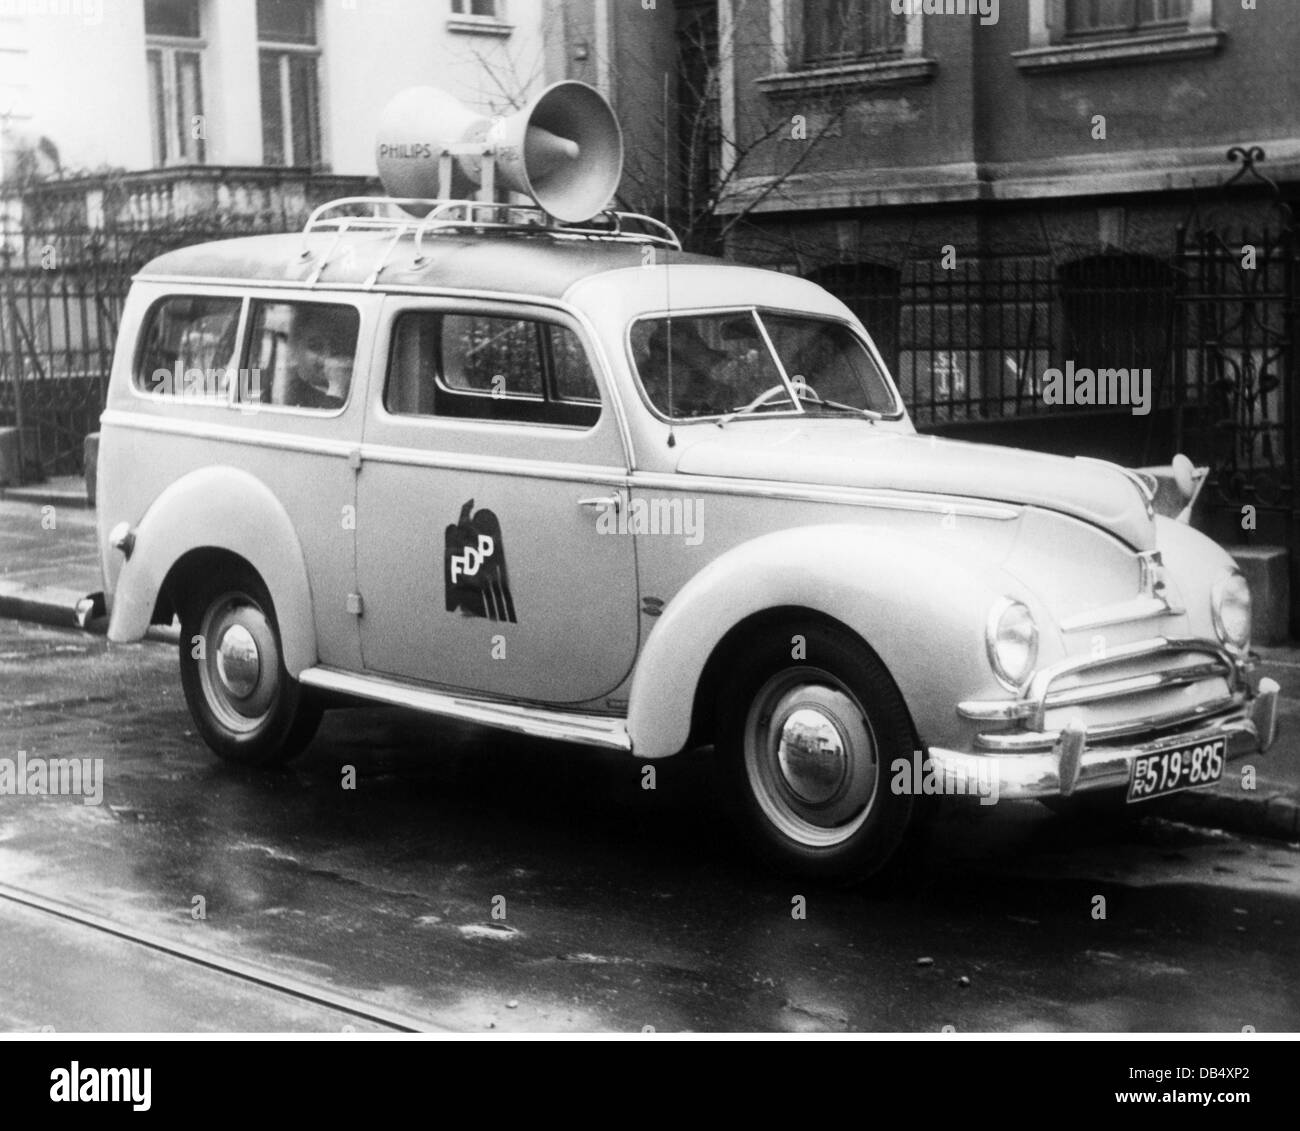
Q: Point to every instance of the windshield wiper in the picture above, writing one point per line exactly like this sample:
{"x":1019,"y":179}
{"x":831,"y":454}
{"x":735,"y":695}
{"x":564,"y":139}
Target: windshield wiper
{"x":866,"y":413}
{"x":809,"y":405}
{"x":745,"y":411}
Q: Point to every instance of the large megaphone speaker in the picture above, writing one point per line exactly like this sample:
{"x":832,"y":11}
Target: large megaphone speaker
{"x":564,"y":150}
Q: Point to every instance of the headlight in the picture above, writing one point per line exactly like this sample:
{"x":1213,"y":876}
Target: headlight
{"x":1012,"y":638}
{"x":1230,"y":607}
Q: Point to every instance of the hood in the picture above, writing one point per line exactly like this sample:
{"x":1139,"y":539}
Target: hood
{"x":852,"y":453}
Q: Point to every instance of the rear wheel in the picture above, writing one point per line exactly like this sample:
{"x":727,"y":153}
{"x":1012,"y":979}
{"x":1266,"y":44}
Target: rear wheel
{"x":805,"y":750}
{"x":244,"y":704}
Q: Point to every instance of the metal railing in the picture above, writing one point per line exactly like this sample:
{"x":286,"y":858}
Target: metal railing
{"x":61,"y":295}
{"x":423,"y":217}
{"x":973,"y":341}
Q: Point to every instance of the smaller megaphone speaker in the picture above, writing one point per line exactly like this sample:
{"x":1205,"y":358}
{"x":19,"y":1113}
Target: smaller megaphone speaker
{"x":564,"y":150}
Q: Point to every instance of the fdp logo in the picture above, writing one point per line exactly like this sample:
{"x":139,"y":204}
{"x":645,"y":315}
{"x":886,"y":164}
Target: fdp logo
{"x":474,"y":567}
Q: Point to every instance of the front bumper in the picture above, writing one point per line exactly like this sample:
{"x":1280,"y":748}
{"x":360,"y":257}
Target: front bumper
{"x":1072,"y":766}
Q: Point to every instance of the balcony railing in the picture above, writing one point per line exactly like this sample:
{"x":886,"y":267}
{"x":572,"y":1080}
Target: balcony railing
{"x":166,"y":197}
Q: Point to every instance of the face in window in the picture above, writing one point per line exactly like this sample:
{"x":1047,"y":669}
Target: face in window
{"x":303,"y":353}
{"x":321,"y":355}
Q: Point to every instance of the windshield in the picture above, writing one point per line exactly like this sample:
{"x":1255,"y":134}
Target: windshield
{"x":749,"y":362}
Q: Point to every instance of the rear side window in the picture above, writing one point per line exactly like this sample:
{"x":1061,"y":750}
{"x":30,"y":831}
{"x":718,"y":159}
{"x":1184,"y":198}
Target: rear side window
{"x":490,"y":367}
{"x":188,"y":348}
{"x":301,"y":354}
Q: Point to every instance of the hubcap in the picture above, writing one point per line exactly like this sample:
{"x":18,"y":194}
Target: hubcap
{"x":811,"y":757}
{"x":239,"y":669}
{"x":238,"y":662}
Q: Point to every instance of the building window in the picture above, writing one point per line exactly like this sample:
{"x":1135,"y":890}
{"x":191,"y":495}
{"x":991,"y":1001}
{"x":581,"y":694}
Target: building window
{"x":820,"y":46}
{"x":479,"y":17}
{"x":487,"y":8}
{"x":174,"y":57}
{"x":847,"y":31}
{"x":1100,"y":33}
{"x":288,"y":57}
{"x":175,"y":19}
{"x":1123,"y":17}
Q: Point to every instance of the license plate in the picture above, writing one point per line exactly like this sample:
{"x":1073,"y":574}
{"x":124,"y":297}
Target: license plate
{"x":1171,"y":771}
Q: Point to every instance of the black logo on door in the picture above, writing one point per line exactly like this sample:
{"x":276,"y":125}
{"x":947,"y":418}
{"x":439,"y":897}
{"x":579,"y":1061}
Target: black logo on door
{"x":474,"y":567}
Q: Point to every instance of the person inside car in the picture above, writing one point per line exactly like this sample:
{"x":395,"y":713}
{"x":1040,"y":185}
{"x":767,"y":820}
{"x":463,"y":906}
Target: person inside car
{"x":318,"y":372}
{"x":679,"y":371}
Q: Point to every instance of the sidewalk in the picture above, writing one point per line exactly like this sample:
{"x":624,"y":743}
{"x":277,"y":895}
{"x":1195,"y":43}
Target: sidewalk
{"x":49,"y":565}
{"x":48,"y":557}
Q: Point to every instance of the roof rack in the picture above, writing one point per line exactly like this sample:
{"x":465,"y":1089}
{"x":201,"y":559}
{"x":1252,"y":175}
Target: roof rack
{"x":468,"y":216}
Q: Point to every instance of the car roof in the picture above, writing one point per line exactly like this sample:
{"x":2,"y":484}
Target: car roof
{"x":514,"y":263}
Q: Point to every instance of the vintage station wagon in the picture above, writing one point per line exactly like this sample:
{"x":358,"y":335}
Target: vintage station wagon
{"x":573,"y":482}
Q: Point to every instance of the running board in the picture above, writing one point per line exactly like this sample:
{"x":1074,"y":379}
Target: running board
{"x":539,"y":722}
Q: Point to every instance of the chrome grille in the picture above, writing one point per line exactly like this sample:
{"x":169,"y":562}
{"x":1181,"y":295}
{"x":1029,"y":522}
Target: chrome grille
{"x":1133,"y":689}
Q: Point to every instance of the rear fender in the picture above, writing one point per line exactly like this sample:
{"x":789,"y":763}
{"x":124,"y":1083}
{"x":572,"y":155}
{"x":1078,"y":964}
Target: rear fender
{"x":226,"y":509}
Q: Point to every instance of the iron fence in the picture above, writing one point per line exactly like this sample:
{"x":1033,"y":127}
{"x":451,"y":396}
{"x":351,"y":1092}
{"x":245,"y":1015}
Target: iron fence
{"x":976,"y":337}
{"x":61,"y":296}
{"x":971,"y":339}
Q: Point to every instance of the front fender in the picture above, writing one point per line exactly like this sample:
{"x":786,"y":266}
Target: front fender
{"x":227,"y":509}
{"x":921,"y":606}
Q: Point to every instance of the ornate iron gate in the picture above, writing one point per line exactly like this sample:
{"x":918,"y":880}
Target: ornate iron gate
{"x":1235,"y":361}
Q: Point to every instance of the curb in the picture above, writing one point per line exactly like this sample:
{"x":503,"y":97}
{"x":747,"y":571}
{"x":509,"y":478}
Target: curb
{"x":1272,"y":815}
{"x":55,"y":607}
{"x":73,"y":500}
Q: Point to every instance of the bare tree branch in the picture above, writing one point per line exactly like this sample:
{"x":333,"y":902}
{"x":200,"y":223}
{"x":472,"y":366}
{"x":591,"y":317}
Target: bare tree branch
{"x":705,"y":207}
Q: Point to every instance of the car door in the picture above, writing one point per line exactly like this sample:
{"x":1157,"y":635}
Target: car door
{"x":486,"y":557}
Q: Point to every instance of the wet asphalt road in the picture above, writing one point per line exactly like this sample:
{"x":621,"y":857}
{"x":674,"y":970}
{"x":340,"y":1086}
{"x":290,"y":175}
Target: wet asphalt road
{"x":623,"y":908}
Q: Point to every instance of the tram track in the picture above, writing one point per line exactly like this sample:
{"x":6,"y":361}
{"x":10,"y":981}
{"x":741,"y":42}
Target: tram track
{"x":246,"y":972}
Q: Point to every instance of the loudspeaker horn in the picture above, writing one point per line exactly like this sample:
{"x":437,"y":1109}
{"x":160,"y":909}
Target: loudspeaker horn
{"x":564,"y":150}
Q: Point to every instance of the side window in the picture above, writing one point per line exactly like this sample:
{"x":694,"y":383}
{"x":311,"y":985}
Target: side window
{"x":481,"y":354}
{"x":188,"y":347}
{"x":301,"y":354}
{"x":574,"y":380}
{"x":490,"y":367}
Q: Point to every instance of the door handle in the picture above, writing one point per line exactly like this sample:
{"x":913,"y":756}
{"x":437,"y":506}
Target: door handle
{"x":605,"y":501}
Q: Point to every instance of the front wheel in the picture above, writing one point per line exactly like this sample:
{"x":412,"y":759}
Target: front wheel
{"x":805,"y":749}
{"x":244,"y":703}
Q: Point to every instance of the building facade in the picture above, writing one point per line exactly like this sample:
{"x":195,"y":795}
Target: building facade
{"x":1067,"y":223}
{"x":228,"y":95}
{"x":130,"y":127}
